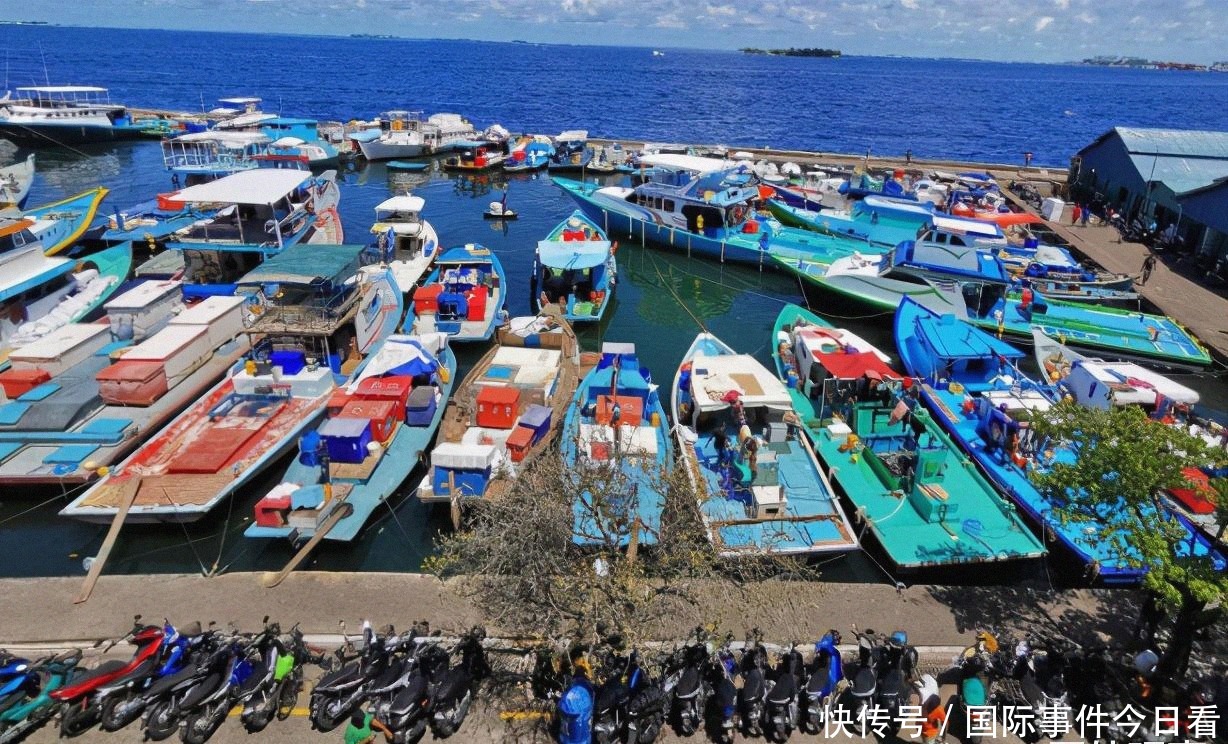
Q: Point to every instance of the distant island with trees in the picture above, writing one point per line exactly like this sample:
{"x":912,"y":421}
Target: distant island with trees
{"x":793,"y":52}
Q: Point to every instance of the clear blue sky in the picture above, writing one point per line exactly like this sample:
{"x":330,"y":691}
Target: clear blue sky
{"x":1031,"y":30}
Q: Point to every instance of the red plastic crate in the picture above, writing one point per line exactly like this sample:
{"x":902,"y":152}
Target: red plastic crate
{"x":498,"y":407}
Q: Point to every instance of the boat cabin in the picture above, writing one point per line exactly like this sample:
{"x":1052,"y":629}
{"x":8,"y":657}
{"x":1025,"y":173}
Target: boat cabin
{"x":260,"y":210}
{"x":401,"y":233}
{"x":699,"y":195}
{"x":204,"y":156}
{"x":16,"y":236}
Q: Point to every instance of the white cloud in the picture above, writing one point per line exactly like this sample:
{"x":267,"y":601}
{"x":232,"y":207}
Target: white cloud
{"x":1042,"y":23}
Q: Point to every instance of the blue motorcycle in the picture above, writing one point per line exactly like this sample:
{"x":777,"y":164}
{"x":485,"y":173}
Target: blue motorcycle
{"x":123,"y":701}
{"x":825,"y":673}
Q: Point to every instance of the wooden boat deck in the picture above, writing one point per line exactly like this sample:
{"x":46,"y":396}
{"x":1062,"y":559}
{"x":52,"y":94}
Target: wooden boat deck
{"x":160,"y":490}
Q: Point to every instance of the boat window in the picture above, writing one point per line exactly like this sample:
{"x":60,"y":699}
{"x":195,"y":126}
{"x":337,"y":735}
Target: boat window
{"x":956,"y":240}
{"x":939,"y":238}
{"x":669,"y":205}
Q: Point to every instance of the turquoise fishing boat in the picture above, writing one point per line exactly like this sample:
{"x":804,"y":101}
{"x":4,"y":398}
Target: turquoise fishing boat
{"x":463,"y":296}
{"x":699,"y":207}
{"x":880,"y":221}
{"x":376,"y":430}
{"x":924,"y":501}
{"x":885,"y":281}
{"x":760,"y":486}
{"x":972,"y":385}
{"x":616,"y":420}
{"x":574,"y":268}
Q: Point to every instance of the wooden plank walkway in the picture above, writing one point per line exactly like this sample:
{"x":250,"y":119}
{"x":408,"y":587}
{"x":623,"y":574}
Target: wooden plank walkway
{"x":1199,"y":308}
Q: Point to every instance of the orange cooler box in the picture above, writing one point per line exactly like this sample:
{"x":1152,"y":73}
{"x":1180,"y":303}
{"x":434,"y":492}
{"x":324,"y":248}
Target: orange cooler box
{"x":381,"y":414}
{"x":630,"y":410}
{"x":497,"y":407}
{"x":132,"y":383}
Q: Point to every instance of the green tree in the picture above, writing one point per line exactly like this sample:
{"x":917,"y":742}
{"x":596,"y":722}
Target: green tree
{"x":1125,"y":461}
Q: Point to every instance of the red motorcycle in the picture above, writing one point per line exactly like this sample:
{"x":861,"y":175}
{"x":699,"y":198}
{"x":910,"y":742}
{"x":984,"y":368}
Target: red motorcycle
{"x":80,"y":709}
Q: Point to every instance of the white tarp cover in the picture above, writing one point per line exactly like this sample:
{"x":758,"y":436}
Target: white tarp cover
{"x":397,"y":350}
{"x":713,"y":377}
{"x":632,"y":440}
{"x":1024,"y":400}
{"x":692,"y":163}
{"x":464,"y":456}
{"x":208,"y":310}
{"x":528,"y":325}
{"x":257,"y":186}
{"x":401,"y":203}
{"x":513,"y":356}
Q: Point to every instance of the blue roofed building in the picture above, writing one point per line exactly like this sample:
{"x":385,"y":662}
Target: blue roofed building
{"x":1172,"y":176}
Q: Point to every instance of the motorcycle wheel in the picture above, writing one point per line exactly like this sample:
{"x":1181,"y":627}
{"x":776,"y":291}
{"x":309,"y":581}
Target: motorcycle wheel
{"x":321,"y":720}
{"x":161,"y":723}
{"x":200,"y":726}
{"x":76,"y":719}
{"x":288,"y":695}
{"x":413,"y":735}
{"x":118,"y":712}
{"x":650,"y":732}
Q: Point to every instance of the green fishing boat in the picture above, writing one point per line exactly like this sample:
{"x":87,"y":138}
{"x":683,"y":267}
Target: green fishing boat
{"x":925,"y":502}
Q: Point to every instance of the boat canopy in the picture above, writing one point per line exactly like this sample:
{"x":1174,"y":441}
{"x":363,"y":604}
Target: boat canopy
{"x":573,"y":254}
{"x":398,"y":206}
{"x":846,"y":366}
{"x":61,"y":89}
{"x":288,"y":142}
{"x":951,"y":338}
{"x":465,"y":253}
{"x":573,"y":135}
{"x":246,"y":120}
{"x":944,"y":258}
{"x":226,"y":139}
{"x":306,"y":264}
{"x":714,"y":378}
{"x":259,"y":186}
{"x":975,"y":228}
{"x":240,"y":100}
{"x":692,"y":163}
{"x":10,"y":226}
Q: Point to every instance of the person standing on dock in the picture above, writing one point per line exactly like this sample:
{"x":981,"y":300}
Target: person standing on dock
{"x":1027,"y":160}
{"x":908,"y":157}
{"x":1149,"y":265}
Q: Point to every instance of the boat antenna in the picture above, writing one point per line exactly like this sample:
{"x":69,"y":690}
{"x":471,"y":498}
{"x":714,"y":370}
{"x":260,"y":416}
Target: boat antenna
{"x":41,"y":54}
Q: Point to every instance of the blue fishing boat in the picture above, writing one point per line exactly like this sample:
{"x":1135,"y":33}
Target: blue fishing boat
{"x":507,"y":411}
{"x":973,"y":387}
{"x":616,"y":420}
{"x":914,"y":490}
{"x":313,"y":314}
{"x":463,"y":297}
{"x":758,"y":480}
{"x":698,"y":206}
{"x":376,"y":430}
{"x":973,"y":285}
{"x":574,"y":268}
{"x":531,"y":154}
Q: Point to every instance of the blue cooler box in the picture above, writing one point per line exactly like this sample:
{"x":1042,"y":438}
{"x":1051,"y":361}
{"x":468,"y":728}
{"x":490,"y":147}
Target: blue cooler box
{"x":346,"y":439}
{"x":468,"y":465}
{"x":537,"y":418}
{"x":291,"y":361}
{"x":420,"y":406}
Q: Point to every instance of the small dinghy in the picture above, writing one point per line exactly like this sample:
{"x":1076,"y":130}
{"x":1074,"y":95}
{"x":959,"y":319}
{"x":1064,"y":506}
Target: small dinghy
{"x":499,"y":211}
{"x":405,"y":165}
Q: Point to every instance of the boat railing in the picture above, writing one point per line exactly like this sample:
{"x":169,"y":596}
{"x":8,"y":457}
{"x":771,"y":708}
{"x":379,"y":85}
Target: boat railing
{"x":320,"y":315}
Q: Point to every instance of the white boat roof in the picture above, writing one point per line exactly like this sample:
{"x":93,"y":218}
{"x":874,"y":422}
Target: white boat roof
{"x":572,"y":135}
{"x":402,"y":203}
{"x":967,"y":227}
{"x":692,"y":163}
{"x":246,"y":120}
{"x":63,"y":89}
{"x":712,"y":377}
{"x":232,"y":139}
{"x":26,"y":267}
{"x":241,"y":100}
{"x":258,"y":186}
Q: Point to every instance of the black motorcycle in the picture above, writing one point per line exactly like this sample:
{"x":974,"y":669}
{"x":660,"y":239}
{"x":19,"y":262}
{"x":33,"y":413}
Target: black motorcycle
{"x":339,"y":692}
{"x":783,"y":711}
{"x":276,"y":680}
{"x":690,"y":688}
{"x":752,"y":697}
{"x":457,"y":687}
{"x":723,"y":716}
{"x":895,"y":666}
{"x":408,"y":713}
{"x":647,"y":705}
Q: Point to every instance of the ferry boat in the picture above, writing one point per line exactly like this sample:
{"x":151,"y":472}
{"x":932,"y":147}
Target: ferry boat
{"x":77,"y":408}
{"x":58,"y":115}
{"x":376,"y":430}
{"x":403,"y":240}
{"x":508,"y":410}
{"x":15,"y":183}
{"x":759,"y":484}
{"x":972,"y":386}
{"x":463,"y":297}
{"x":921,"y":498}
{"x":405,"y":134}
{"x":697,"y":206}
{"x":313,"y":314}
{"x":575,"y":270}
{"x":616,"y":427}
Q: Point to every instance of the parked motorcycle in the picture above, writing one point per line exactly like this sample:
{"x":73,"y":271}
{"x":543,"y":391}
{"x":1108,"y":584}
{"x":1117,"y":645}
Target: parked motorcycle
{"x":752,"y":698}
{"x":213,"y":699}
{"x":647,"y":705}
{"x":28,"y":704}
{"x":169,"y":698}
{"x":690,"y":688}
{"x":722,"y":668}
{"x":824,"y":676}
{"x":276,"y":680}
{"x":783,"y":711}
{"x":339,"y":692}
{"x":80,"y":704}
{"x":123,"y":701}
{"x":456,"y":689}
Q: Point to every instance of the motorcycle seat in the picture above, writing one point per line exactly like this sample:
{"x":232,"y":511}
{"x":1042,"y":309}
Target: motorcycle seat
{"x":817,"y":682}
{"x":144,"y":669}
{"x":784,"y":690}
{"x":103,"y":669}
{"x":169,"y":682}
{"x":204,"y":689}
{"x":411,"y":695}
{"x":688,"y":684}
{"x":344,"y":674}
{"x":864,"y":682}
{"x":752,"y":687}
{"x":260,"y":674}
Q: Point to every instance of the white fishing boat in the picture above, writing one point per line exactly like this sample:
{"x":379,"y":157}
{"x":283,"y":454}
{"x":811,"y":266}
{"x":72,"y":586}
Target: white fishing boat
{"x":405,"y":134}
{"x":15,"y":182}
{"x":1097,"y":383}
{"x":403,"y":240}
{"x":58,"y":115}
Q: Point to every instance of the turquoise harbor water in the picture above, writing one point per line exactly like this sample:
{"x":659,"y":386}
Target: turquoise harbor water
{"x":934,"y":108}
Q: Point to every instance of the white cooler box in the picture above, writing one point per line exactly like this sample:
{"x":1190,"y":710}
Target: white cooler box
{"x":63,"y":348}
{"x":145,"y":308}
{"x":180,"y":348}
{"x":223,"y":316}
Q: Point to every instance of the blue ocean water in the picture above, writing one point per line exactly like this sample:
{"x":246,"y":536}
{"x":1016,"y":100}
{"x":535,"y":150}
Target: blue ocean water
{"x":937,"y":108}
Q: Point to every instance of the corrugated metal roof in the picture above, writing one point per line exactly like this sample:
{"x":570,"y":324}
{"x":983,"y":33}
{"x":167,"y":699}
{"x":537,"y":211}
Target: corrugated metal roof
{"x":1176,"y":142}
{"x":1178,"y":173}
